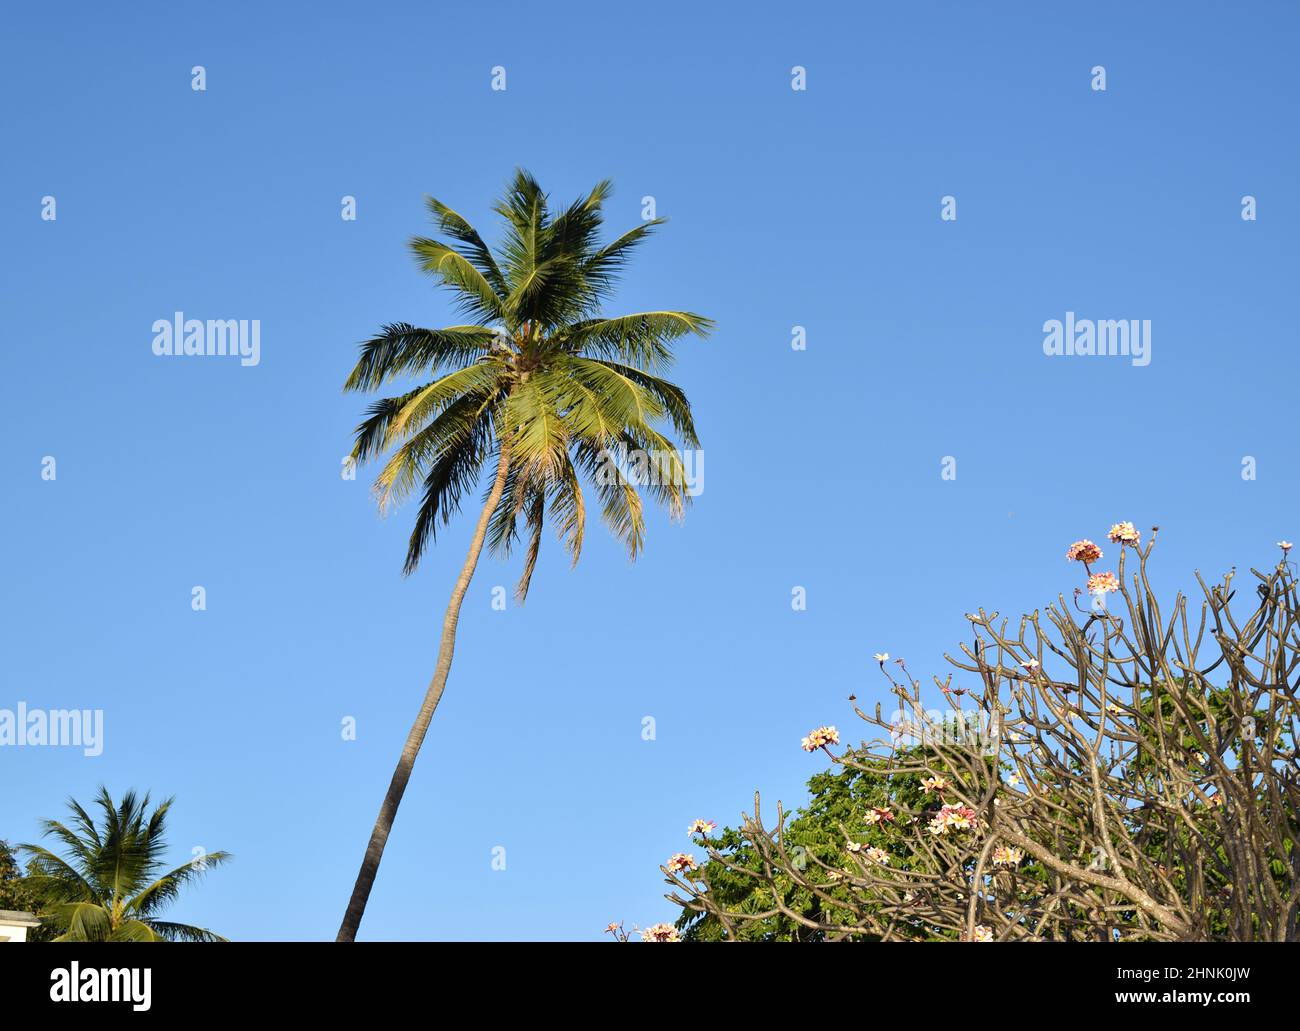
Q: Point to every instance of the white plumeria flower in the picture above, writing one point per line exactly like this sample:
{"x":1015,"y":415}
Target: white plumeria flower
{"x":882,"y":657}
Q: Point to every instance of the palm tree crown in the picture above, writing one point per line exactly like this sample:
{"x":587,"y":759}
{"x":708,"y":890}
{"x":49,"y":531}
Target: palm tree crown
{"x":541,"y":383}
{"x":110,"y":886}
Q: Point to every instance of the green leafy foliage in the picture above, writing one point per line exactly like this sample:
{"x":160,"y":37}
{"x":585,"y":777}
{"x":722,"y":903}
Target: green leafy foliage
{"x":17,"y":894}
{"x":835,"y":814}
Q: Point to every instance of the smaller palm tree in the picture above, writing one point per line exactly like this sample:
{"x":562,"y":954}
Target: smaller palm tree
{"x":109,"y":886}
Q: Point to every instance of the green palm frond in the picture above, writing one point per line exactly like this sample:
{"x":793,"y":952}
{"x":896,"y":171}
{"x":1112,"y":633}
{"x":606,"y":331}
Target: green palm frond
{"x":644,"y":339}
{"x":620,"y":504}
{"x":623,"y":398}
{"x":84,"y":921}
{"x":55,"y":879}
{"x":84,"y":823}
{"x":450,"y":475}
{"x":568,"y":508}
{"x":171,"y":932}
{"x":536,"y":514}
{"x":604,"y":267}
{"x":658,"y":468}
{"x":474,"y":294}
{"x":670,"y":396}
{"x":478,"y":380}
{"x":372,"y":431}
{"x":588,"y":413}
{"x":457,"y":425}
{"x":83,"y":850}
{"x":538,"y":435}
{"x":165,"y":889}
{"x":133,"y":931}
{"x":503,"y":528}
{"x":469,"y":244}
{"x":402,"y":348}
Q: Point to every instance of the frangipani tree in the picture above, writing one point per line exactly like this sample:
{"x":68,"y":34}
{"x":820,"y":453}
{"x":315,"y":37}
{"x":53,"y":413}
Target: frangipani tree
{"x":1122,"y":771}
{"x":541,"y":389}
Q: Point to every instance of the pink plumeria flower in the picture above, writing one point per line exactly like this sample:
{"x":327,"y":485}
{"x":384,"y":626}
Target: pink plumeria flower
{"x":820,"y":738}
{"x":681,"y":862}
{"x":1102,"y":583}
{"x":1285,"y":545}
{"x":952,"y":817}
{"x":1124,"y":533}
{"x":660,"y":933}
{"x":1083,"y":551}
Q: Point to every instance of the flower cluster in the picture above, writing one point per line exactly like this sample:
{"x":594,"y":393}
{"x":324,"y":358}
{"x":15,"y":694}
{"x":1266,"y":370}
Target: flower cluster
{"x":934,"y":785}
{"x":1124,"y":533}
{"x":681,"y":862}
{"x":1083,"y":551}
{"x":952,"y":817}
{"x":660,"y":933}
{"x":700,"y":827}
{"x":820,"y":738}
{"x":982,"y":934}
{"x":879,"y":815}
{"x":1102,"y":583}
{"x":1006,"y":855}
{"x":872,"y":854}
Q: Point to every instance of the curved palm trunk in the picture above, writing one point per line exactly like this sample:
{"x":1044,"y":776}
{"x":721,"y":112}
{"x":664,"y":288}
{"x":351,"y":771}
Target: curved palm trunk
{"x":397,"y":787}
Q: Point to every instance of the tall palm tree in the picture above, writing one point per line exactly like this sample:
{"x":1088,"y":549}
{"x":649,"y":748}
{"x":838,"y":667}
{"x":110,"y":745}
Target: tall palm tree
{"x":111,"y":885}
{"x":540,"y":386}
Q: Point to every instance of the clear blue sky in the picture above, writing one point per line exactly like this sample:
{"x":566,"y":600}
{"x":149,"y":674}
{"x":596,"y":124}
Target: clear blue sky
{"x":818,"y":208}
